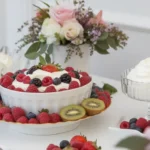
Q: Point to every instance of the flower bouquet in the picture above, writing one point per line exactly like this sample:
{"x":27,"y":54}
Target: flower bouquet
{"x":72,"y":25}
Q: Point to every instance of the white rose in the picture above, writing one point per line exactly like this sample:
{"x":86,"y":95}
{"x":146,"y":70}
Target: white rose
{"x":72,"y":29}
{"x":49,"y":29}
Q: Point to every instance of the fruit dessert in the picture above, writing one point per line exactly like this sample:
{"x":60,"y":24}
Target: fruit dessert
{"x":77,"y":142}
{"x":45,"y":78}
{"x":138,"y":124}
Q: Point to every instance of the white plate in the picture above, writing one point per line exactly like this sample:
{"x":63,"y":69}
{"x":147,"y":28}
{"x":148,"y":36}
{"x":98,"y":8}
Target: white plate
{"x":2,"y":147}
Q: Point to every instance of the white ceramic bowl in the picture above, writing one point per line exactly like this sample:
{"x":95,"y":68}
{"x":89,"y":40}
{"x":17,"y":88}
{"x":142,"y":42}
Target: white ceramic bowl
{"x":34,"y":102}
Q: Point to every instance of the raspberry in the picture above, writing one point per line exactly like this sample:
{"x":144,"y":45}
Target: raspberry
{"x":11,"y":87}
{"x":10,"y":74}
{"x":63,"y":89}
{"x":8,"y":117}
{"x":50,"y":89}
{"x":20,"y":77}
{"x":26,"y":80}
{"x":33,"y":121}
{"x":72,"y":74}
{"x":124,"y":125}
{"x":51,"y":147}
{"x":85,"y":80}
{"x":19,"y":90}
{"x":43,"y":117}
{"x":5,"y":110}
{"x":142,"y":123}
{"x":32,"y":89}
{"x":69,"y":69}
{"x":17,"y":112}
{"x":47,"y":81}
{"x":6,"y":81}
{"x":22,"y":119}
{"x":55,"y":118}
{"x":74,"y":85}
{"x":84,"y":74}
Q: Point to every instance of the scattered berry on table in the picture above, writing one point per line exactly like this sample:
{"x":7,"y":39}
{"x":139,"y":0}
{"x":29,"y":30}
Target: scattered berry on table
{"x":84,"y":74}
{"x":50,"y":89}
{"x":31,"y":115}
{"x":17,"y":112}
{"x":71,"y":74}
{"x":89,"y":146}
{"x":19,"y":89}
{"x":11,"y":87}
{"x":77,"y":144}
{"x":74,"y":85}
{"x":43,"y":117}
{"x":50,"y":68}
{"x":26,"y":80}
{"x":55,"y":118}
{"x":64,"y":144}
{"x":32,"y":89}
{"x":142,"y":123}
{"x":56,"y":81}
{"x":8,"y":117}
{"x":33,"y":121}
{"x":65,"y":78}
{"x":78,"y":138}
{"x":124,"y":125}
{"x":20,"y":77}
{"x":5,"y":110}
{"x":69,"y":69}
{"x":63,"y":89}
{"x":51,"y":147}
{"x":32,"y":69}
{"x":94,"y":95}
{"x":47,"y":81}
{"x":37,"y":82}
{"x":23,"y":120}
{"x":133,"y":120}
{"x":85,"y":80}
{"x":6,"y":81}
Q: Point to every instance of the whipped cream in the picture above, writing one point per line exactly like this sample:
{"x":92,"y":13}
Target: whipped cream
{"x":42,"y":74}
{"x":141,"y":72}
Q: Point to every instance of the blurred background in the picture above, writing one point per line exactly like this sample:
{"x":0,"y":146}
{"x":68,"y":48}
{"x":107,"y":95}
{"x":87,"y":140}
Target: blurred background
{"x":131,"y":16}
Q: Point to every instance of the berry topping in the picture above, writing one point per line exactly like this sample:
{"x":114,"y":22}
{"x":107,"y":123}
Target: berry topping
{"x":1,"y":117}
{"x":74,"y":85}
{"x":26,"y":80}
{"x":50,"y":89}
{"x":47,"y":81}
{"x":20,"y":77}
{"x":133,"y":120}
{"x":33,"y":121}
{"x":62,"y":89}
{"x":56,"y":81}
{"x":51,"y":147}
{"x":17,"y":112}
{"x":55,"y":118}
{"x":133,"y":126}
{"x":31,"y":115}
{"x":124,"y":125}
{"x":19,"y":90}
{"x":72,"y":74}
{"x":50,"y":68}
{"x":37,"y":82}
{"x":64,"y":144}
{"x":69,"y":69}
{"x":11,"y":87}
{"x":84,"y":74}
{"x":9,"y":74}
{"x":43,"y":117}
{"x":32,"y":69}
{"x":142,"y":123}
{"x":32,"y":89}
{"x":22,"y":119}
{"x":65,"y":78}
{"x":5,"y":110}
{"x":6,"y":81}
{"x":139,"y":129}
{"x":85,"y":80}
{"x":78,"y":138}
{"x":8,"y":117}
{"x":16,"y":73}
{"x":77,"y":75}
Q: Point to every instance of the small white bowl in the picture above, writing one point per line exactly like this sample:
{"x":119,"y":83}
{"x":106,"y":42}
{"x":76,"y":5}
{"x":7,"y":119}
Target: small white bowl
{"x":34,"y":102}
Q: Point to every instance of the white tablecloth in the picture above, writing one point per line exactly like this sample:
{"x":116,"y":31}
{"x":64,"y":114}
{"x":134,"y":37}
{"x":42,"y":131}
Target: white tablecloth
{"x":95,"y":128}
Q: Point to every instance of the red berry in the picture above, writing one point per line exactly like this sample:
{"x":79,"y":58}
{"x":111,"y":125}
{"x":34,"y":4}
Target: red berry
{"x":9,"y":74}
{"x":78,"y":138}
{"x":85,"y":80}
{"x":50,"y":68}
{"x":33,"y":121}
{"x":55,"y":118}
{"x":8,"y":117}
{"x":1,"y":117}
{"x":148,"y":122}
{"x":51,"y":147}
{"x":142,"y":123}
{"x":17,"y":112}
{"x":72,"y":74}
{"x":69,"y":69}
{"x":74,"y":85}
{"x":20,"y":77}
{"x":43,"y":117}
{"x":5,"y":110}
{"x":22,"y":119}
{"x":6,"y":81}
{"x":26,"y":80}
{"x":89,"y":146}
{"x":23,"y":70}
{"x":77,"y":144}
{"x":32,"y":89}
{"x":124,"y":125}
{"x":47,"y":81}
{"x":19,"y":90}
{"x":50,"y":89}
{"x":62,"y":89}
{"x":84,"y":74}
{"x":11,"y":87}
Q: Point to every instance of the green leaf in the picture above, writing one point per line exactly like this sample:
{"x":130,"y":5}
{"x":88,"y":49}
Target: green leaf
{"x":103,"y":36}
{"x":32,"y":51}
{"x":102,"y":44}
{"x":111,"y":42}
{"x":45,"y":4}
{"x":47,"y":58}
{"x":50,"y":49}
{"x":42,"y":60}
{"x":101,"y":51}
{"x":43,"y":48}
{"x":109,"y":88}
{"x":133,"y":143}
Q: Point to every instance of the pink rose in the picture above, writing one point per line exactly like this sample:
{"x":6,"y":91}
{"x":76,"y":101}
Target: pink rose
{"x":62,"y":13}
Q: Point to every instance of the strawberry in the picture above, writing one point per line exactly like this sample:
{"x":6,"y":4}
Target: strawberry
{"x":19,"y":90}
{"x":72,"y":74}
{"x":68,"y":69}
{"x":20,"y":77}
{"x":51,"y":147}
{"x":26,"y":80}
{"x":5,"y":110}
{"x":124,"y":125}
{"x":32,"y":89}
{"x":77,"y":144}
{"x":142,"y":123}
{"x":6,"y":81}
{"x":50,"y":89}
{"x":74,"y":85}
{"x":89,"y":146}
{"x":33,"y":121}
{"x":50,"y":68}
{"x":63,"y":89}
{"x":85,"y":80}
{"x":9,"y":74}
{"x":17,"y":112}
{"x":11,"y":87}
{"x":84,"y":74}
{"x":43,"y":117}
{"x":47,"y":81}
{"x":22,"y":119}
{"x":55,"y":118}
{"x":8,"y":117}
{"x":78,"y":138}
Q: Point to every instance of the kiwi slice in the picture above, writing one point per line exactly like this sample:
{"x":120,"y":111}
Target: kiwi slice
{"x":72,"y":113}
{"x":93,"y":106}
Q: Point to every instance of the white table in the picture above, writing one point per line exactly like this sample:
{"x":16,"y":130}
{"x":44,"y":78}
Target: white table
{"x":95,"y":128}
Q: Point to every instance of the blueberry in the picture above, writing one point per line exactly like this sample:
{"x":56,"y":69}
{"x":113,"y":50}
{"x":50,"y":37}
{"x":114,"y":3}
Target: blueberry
{"x":94,"y":95}
{"x":97,"y":87}
{"x":133,"y":120}
{"x":56,"y":81}
{"x":139,"y":129}
{"x":133,"y":126}
{"x":31,"y":115}
{"x":37,"y":82}
{"x":32,"y":69}
{"x":64,"y":144}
